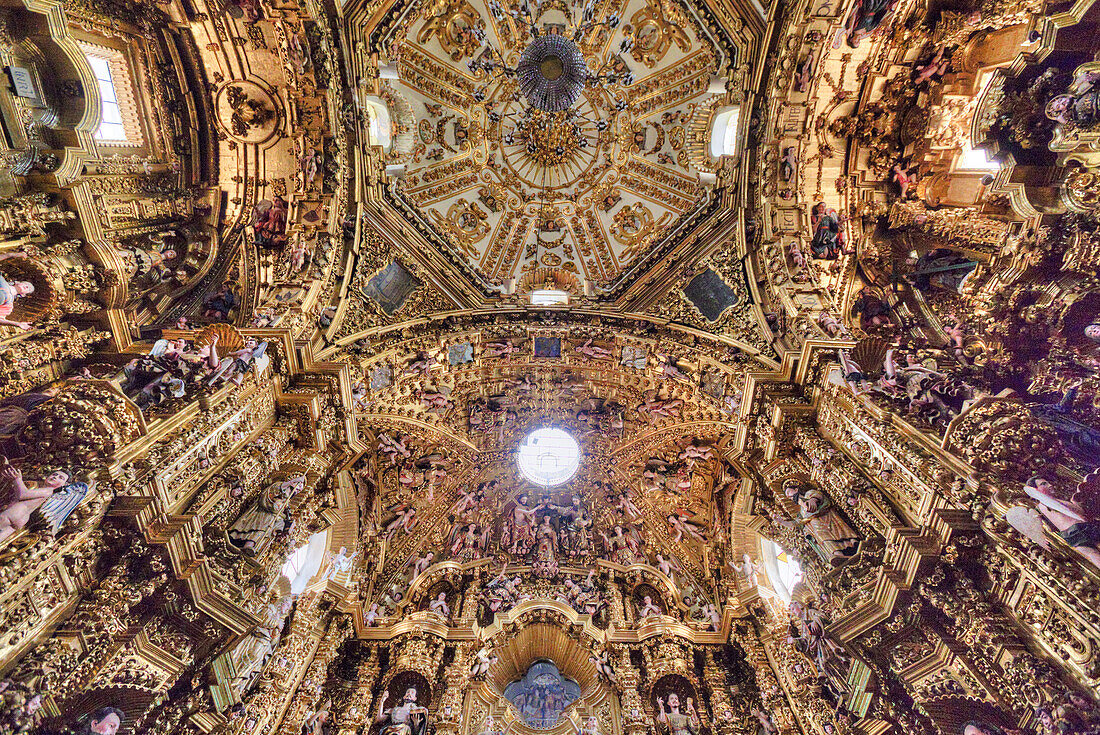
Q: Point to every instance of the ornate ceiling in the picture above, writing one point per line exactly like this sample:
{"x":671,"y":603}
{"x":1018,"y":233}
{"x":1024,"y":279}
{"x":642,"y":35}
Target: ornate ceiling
{"x":525,"y":198}
{"x":265,"y":368}
{"x":452,"y":420}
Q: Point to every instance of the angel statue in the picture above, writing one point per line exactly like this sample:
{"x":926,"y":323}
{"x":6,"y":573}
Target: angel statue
{"x":855,"y":374}
{"x":594,"y":352}
{"x":623,"y":501}
{"x":51,"y":499}
{"x":421,"y":564}
{"x":467,"y":542}
{"x":693,"y":453}
{"x":401,"y":515}
{"x":749,"y":569}
{"x":407,"y":718}
{"x":395,"y":449}
{"x":668,"y":567}
{"x":152,"y":265}
{"x":503,"y":348}
{"x":483,"y":659}
{"x":1077,"y":520}
{"x":682,"y":525}
{"x":339,"y":563}
{"x":435,"y":401}
{"x":602,"y":661}
{"x":236,"y":367}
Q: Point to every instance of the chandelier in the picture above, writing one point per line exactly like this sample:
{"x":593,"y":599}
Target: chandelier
{"x":550,"y":132}
{"x":551,"y":71}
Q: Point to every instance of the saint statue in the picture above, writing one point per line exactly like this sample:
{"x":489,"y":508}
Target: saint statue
{"x":826,"y":529}
{"x":407,"y":718}
{"x":621,"y":548}
{"x":1080,"y":107}
{"x":807,"y":632}
{"x":591,"y":726}
{"x":253,"y":531}
{"x":547,"y":539}
{"x":490,"y":727}
{"x":104,"y":721}
{"x":253,"y":653}
{"x":674,"y":721}
{"x":577,"y":529}
{"x":828,"y":232}
{"x":520,"y":528}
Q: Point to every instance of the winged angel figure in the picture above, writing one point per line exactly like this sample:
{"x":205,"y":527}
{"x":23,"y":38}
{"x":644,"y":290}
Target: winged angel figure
{"x":1076,"y":520}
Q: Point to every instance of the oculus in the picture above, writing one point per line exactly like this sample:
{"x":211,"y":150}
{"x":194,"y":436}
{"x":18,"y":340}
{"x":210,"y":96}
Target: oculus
{"x":548,"y":456}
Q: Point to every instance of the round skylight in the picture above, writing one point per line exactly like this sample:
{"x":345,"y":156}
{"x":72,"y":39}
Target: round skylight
{"x":548,"y":456}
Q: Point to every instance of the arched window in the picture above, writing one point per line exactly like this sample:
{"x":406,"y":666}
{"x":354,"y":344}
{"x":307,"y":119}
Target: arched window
{"x":782,"y":569}
{"x":378,"y":123}
{"x":971,"y":158}
{"x":975,"y":159}
{"x":305,"y":562}
{"x":724,"y":140}
{"x":549,"y":297}
{"x":118,"y":111}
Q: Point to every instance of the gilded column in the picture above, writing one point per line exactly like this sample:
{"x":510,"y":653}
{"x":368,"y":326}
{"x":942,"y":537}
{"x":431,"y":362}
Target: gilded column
{"x":715,"y":678}
{"x":629,"y":681}
{"x":307,"y":697}
{"x":357,"y":711}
